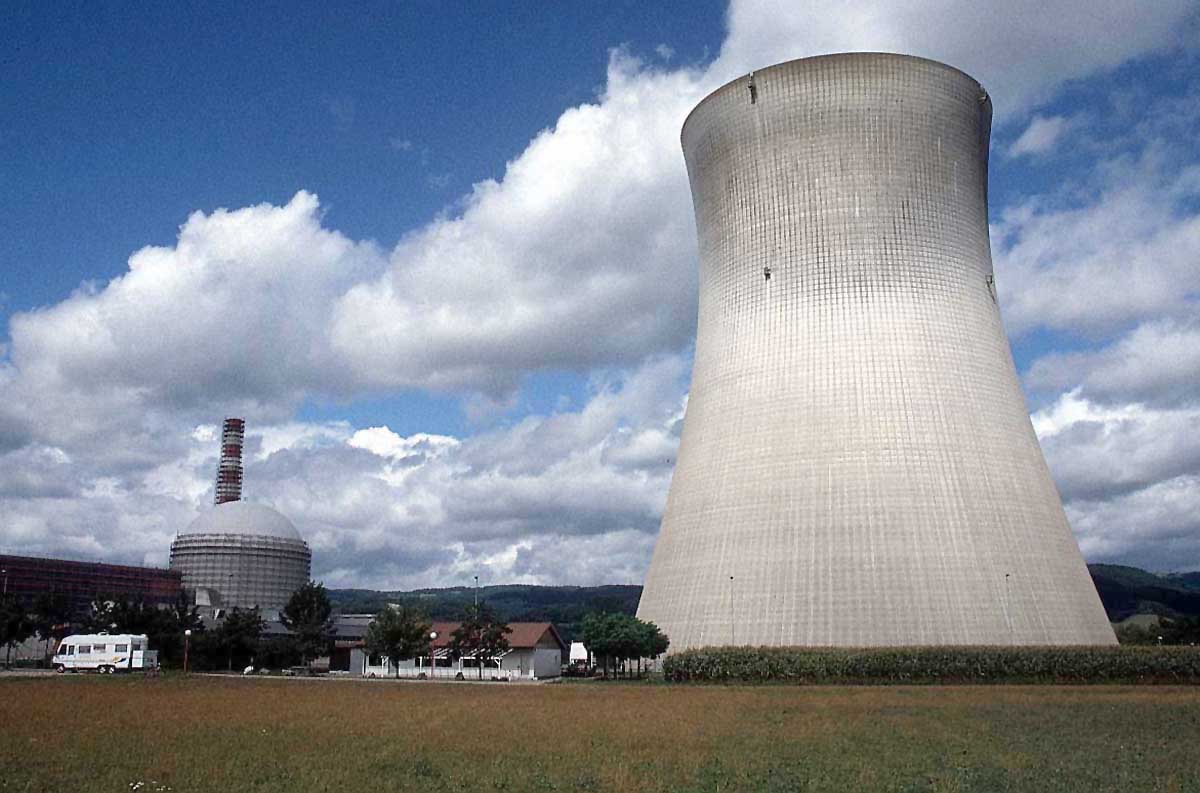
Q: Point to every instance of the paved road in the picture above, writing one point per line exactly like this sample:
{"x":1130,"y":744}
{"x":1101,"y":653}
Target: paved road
{"x":15,"y":673}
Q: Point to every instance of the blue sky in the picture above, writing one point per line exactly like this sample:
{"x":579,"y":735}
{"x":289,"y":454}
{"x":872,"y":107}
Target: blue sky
{"x":442,"y":259}
{"x":125,"y":119}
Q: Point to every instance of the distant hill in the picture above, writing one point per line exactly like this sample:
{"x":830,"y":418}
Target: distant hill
{"x":1124,"y":591}
{"x":562,"y":605}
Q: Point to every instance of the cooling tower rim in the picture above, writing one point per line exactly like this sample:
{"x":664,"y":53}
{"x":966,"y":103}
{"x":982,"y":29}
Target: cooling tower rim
{"x":741,"y":79}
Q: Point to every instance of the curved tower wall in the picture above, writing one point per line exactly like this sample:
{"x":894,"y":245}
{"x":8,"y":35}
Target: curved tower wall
{"x":246,"y":570}
{"x":857,"y":466}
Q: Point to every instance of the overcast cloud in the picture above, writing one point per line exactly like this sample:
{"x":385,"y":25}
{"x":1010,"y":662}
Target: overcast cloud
{"x":581,"y":257}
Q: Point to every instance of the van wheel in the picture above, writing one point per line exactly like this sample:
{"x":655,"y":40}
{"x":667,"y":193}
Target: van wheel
{"x":59,"y":668}
{"x":106,"y":670}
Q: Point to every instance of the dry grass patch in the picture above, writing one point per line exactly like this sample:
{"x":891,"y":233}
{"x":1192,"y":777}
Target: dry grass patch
{"x":297,"y":735}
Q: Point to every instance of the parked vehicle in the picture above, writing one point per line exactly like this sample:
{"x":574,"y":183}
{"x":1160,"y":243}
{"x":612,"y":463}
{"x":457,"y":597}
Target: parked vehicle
{"x":105,"y":653}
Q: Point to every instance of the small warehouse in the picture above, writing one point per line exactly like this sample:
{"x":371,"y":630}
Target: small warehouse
{"x":536,"y":652}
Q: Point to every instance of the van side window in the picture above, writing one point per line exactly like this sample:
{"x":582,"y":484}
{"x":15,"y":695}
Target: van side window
{"x":137,"y":646}
{"x":69,"y":649}
{"x":99,"y":648}
{"x":85,"y":649}
{"x":121,"y":648}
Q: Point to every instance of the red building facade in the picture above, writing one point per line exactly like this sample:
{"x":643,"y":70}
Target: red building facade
{"x":82,"y":582}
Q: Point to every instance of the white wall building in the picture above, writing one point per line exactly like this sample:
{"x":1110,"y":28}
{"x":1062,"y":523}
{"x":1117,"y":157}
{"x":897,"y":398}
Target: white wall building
{"x":536,"y":652}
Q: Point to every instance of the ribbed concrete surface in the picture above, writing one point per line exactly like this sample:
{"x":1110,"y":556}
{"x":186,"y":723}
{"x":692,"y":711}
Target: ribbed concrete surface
{"x":249,"y":553}
{"x":857,"y":465}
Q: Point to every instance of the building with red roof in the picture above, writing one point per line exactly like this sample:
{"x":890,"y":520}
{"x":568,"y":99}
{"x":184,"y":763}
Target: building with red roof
{"x":535,"y":652}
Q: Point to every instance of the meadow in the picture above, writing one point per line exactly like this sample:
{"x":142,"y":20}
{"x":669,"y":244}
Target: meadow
{"x":230,"y":734}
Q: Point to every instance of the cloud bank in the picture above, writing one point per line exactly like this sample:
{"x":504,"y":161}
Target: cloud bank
{"x":581,"y":259}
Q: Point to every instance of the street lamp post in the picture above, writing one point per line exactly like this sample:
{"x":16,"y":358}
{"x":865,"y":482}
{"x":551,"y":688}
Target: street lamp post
{"x":187,"y":636}
{"x":476,"y":591}
{"x":5,"y":574}
{"x":432,"y":661}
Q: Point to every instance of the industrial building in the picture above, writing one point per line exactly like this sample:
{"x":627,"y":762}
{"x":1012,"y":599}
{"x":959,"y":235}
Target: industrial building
{"x":857,"y":465}
{"x":81,"y":583}
{"x":240,"y":554}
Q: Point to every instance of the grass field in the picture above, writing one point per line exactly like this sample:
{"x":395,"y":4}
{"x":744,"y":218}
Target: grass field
{"x":204,"y":733}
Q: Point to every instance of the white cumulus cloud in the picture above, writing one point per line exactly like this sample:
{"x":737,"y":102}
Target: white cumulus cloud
{"x":1041,"y":136}
{"x":582,"y":258}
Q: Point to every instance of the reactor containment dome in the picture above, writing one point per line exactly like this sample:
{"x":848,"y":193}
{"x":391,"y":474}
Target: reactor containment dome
{"x":241,"y":554}
{"x":857,"y":465}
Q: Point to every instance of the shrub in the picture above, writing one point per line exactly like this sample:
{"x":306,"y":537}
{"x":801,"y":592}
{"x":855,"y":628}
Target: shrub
{"x":810,"y":665}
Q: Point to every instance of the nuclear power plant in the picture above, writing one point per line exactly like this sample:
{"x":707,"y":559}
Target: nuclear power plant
{"x":240,"y":554}
{"x":857,"y":466}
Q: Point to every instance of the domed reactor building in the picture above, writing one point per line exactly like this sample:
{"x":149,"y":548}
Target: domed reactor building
{"x":240,"y":554}
{"x":857,"y":466}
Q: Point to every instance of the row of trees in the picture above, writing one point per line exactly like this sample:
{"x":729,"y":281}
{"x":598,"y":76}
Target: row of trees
{"x":47,"y":620}
{"x":403,"y":633}
{"x":1169,"y":630}
{"x":399,"y":632}
{"x":620,"y":639}
{"x":239,"y":637}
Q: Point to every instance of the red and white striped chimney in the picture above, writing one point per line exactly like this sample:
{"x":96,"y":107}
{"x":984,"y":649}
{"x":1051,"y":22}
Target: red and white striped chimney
{"x":229,"y":470}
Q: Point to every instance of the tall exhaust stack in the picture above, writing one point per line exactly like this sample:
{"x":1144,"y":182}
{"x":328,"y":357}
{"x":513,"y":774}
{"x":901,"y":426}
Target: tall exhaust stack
{"x":229,"y":470}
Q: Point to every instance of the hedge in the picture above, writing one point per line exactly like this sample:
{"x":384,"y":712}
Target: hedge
{"x":809,"y":665}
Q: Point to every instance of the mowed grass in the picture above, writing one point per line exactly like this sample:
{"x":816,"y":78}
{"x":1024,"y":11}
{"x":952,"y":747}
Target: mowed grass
{"x":203,"y":733}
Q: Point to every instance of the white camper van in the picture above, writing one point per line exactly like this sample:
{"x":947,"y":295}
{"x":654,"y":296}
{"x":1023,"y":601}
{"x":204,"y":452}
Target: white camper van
{"x":105,"y":653}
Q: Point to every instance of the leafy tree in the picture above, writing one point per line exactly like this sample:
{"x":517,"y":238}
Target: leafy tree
{"x":240,"y":633}
{"x":595,"y":636}
{"x":658,"y":642}
{"x":622,"y":637}
{"x":166,"y":634}
{"x":51,"y":617}
{"x":1180,"y":630}
{"x":101,"y":614}
{"x":279,"y":652}
{"x":653,"y":642}
{"x":15,"y":624}
{"x":308,"y":615}
{"x":163,"y":626}
{"x":206,"y":650}
{"x":398,"y":632}
{"x":482,"y":635}
{"x":131,"y":616}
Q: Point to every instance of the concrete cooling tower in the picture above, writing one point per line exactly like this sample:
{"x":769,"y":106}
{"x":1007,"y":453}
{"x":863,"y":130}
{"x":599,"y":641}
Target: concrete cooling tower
{"x":857,"y":466}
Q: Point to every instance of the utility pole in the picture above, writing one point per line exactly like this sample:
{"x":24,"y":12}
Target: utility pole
{"x":732,"y":621}
{"x":7,"y":646}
